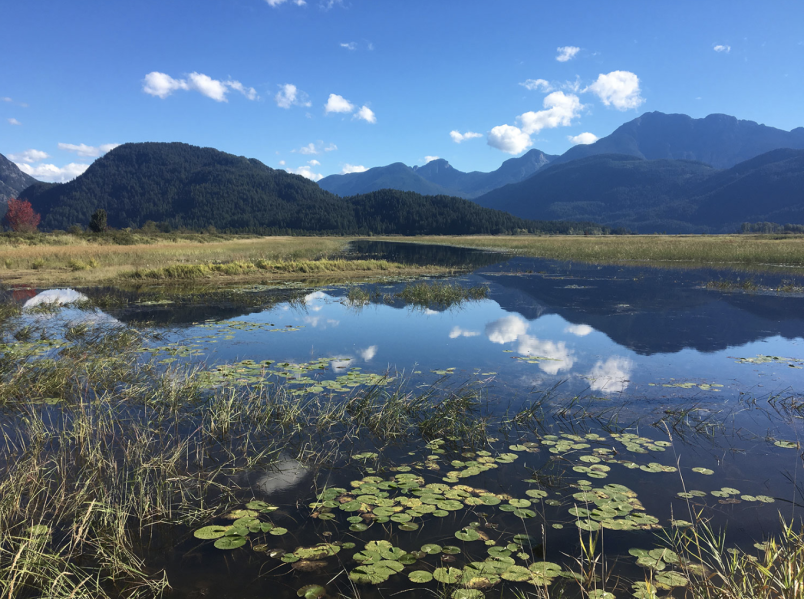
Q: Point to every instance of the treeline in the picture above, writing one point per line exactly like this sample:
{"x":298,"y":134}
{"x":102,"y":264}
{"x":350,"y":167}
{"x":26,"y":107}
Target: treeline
{"x":183,"y":187}
{"x":765,"y":227}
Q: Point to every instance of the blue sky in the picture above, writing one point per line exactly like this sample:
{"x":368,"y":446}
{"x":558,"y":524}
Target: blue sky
{"x":325,"y":86}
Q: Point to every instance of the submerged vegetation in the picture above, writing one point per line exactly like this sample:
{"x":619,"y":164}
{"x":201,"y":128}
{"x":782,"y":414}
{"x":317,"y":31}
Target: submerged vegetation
{"x":126,"y":459}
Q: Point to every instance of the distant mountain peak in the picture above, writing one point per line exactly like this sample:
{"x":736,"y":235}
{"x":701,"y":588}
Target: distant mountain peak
{"x":720,"y":140}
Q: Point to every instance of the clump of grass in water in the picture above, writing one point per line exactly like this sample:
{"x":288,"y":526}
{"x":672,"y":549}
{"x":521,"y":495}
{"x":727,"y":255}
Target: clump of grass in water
{"x":195,"y":271}
{"x":441,"y":294}
{"x":715,"y":571}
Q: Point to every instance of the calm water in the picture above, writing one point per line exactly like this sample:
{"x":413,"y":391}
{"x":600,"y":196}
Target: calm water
{"x":632,"y":347}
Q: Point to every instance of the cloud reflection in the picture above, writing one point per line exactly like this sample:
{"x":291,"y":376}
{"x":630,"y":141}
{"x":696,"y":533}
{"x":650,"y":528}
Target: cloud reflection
{"x":580,"y":330}
{"x":368,"y":353}
{"x":506,"y":329}
{"x":561,"y":358}
{"x":611,"y":376}
{"x":459,"y":332}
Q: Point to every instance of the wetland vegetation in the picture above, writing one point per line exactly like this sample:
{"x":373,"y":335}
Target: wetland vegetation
{"x":243,"y":441}
{"x":733,"y":251}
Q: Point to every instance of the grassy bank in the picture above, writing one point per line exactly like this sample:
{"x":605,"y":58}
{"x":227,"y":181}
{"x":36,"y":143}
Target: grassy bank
{"x":44,"y":259}
{"x":750,"y":251}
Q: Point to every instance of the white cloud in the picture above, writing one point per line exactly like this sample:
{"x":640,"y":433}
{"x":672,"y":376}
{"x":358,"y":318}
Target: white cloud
{"x":509,"y":139}
{"x":611,"y":376}
{"x":6,"y":99}
{"x":29,"y":156}
{"x":506,"y":329}
{"x":559,"y":357}
{"x":365,"y":113}
{"x":368,"y":353}
{"x":307,"y":172}
{"x":566,"y":53}
{"x":722,"y":48}
{"x":560,"y":109}
{"x":337,"y":103}
{"x":88,"y":151}
{"x":353,"y":168}
{"x":349,"y":45}
{"x":53,"y":173}
{"x":619,"y":89}
{"x":583,"y":138}
{"x":162,"y":85}
{"x":458,"y":137}
{"x":281,"y":163}
{"x":275,"y":3}
{"x":580,"y":330}
{"x":313,"y":163}
{"x":309,"y":149}
{"x":289,"y":95}
{"x":331,"y":148}
{"x":249,"y":92}
{"x":537,"y":85}
{"x":14,"y":122}
{"x":459,"y":332}
{"x":430,"y":159}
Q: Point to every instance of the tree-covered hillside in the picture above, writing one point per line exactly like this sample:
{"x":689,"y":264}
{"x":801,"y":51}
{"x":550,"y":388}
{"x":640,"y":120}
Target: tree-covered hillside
{"x":187,"y":186}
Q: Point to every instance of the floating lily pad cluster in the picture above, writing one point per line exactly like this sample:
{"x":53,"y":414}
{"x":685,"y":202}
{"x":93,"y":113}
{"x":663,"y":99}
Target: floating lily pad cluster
{"x":249,"y":372}
{"x":245,"y":522}
{"x":660,"y":562}
{"x":688,"y":385}
{"x":535,"y":359}
{"x":760,"y":359}
{"x":614,"y":507}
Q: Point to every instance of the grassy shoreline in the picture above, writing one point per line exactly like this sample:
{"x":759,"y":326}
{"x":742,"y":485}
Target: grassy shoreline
{"x":738,"y":251}
{"x":63,"y":259}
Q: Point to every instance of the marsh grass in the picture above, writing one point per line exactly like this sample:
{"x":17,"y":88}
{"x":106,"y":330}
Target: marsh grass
{"x":76,"y":259}
{"x":740,"y":251}
{"x":246,"y":267}
{"x":441,"y":293}
{"x":775,"y":570}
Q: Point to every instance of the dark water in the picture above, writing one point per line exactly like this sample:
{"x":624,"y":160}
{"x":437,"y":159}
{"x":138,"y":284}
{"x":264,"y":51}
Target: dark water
{"x":634,"y":347}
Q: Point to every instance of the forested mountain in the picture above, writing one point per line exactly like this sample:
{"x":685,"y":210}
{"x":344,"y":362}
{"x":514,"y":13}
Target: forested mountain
{"x":719,"y":140}
{"x":661,"y":195}
{"x":187,"y":186}
{"x":394,"y":176}
{"x":12,"y":181}
{"x":436,"y":177}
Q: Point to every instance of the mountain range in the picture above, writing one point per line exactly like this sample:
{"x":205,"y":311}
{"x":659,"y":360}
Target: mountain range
{"x":187,"y":186}
{"x":676,"y":196}
{"x":437,"y":177}
{"x":658,"y":172}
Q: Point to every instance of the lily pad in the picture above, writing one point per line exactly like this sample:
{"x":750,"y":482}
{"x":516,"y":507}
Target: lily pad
{"x":228,"y":542}
{"x":210,"y":532}
{"x":420,"y":576}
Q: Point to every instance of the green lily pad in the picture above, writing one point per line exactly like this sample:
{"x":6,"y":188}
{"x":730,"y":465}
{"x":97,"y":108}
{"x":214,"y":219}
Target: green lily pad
{"x":210,"y":532}
{"x":230,"y":542}
{"x":706,"y":471}
{"x":420,"y":576}
{"x":311,"y":591}
{"x":278,"y":531}
{"x":467,"y":534}
{"x":447,"y":575}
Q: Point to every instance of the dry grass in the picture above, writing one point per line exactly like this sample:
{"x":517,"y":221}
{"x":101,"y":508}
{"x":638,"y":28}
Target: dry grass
{"x":698,"y":250}
{"x":92,"y":263}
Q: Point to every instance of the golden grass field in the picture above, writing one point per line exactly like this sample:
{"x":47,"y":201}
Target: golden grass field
{"x":738,"y":251}
{"x":44,"y":259}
